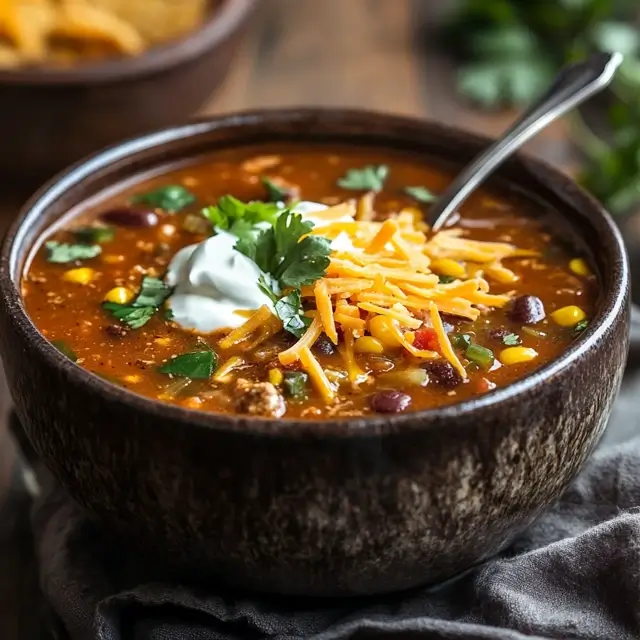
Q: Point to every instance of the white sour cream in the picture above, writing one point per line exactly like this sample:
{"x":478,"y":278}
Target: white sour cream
{"x":214,"y":283}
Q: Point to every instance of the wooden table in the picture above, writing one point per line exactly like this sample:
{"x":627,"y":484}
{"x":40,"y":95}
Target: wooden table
{"x":373,"y":54}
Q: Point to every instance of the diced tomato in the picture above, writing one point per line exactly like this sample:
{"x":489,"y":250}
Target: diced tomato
{"x":426,"y":339}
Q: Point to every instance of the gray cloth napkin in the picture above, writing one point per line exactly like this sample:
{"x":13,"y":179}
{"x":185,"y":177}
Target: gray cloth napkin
{"x":574,"y":574}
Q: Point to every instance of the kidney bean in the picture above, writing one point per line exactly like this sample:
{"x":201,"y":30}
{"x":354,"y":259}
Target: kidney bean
{"x":389,"y":401}
{"x":443,"y":373}
{"x":130,"y":217}
{"x":324,"y":346}
{"x":526,"y":310}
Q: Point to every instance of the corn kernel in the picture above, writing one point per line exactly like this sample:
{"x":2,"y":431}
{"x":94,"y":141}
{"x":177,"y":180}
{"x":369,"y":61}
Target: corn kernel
{"x":81,"y":275}
{"x":111,"y":258}
{"x":380,"y":327}
{"x":121,"y":295}
{"x":368,"y":344}
{"x":579,"y":267}
{"x":517,"y":355}
{"x":132,"y":379}
{"x":163,"y":342}
{"x":448,"y":267}
{"x":568,"y":316}
{"x":275,"y":377}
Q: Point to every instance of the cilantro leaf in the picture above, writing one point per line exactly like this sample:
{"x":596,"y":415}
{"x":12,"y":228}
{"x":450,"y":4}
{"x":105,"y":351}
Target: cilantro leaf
{"x":288,"y":262}
{"x":369,"y":178}
{"x":197,"y":365}
{"x":280,"y":252}
{"x":172,"y":198}
{"x":65,"y":349}
{"x":63,"y":253}
{"x":511,"y":339}
{"x":298,"y":262}
{"x":94,"y":235}
{"x":446,"y":279}
{"x":289,"y":310}
{"x":229,"y":210}
{"x":421,"y":194}
{"x":275,"y":193}
{"x":269,"y":287}
{"x":580,"y":327}
{"x":153,"y":292}
{"x":133,"y":317}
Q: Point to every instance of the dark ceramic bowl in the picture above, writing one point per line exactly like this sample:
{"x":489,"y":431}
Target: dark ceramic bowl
{"x":50,"y":118}
{"x":357,"y":506}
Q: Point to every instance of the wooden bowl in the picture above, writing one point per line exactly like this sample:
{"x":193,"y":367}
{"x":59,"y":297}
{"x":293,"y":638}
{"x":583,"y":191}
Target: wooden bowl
{"x":51,"y":118}
{"x":341,"y":507}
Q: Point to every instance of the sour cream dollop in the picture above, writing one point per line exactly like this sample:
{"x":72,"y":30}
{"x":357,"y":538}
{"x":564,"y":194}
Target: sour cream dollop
{"x":213,"y":283}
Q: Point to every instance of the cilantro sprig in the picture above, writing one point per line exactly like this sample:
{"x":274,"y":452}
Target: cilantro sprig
{"x":63,"y":253}
{"x":231,"y":214}
{"x":287,"y":253}
{"x":172,"y":198}
{"x":369,"y":178}
{"x":421,"y":194}
{"x":290,"y":258}
{"x":153,"y":292}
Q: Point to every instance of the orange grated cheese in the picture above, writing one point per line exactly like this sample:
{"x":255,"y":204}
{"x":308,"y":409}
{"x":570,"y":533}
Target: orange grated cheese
{"x":349,"y":322}
{"x":317,"y":375}
{"x":325,"y":310}
{"x":407,"y":343}
{"x":292,"y":354}
{"x":444,"y":342}
{"x":261,"y":316}
{"x":405,"y":320}
{"x":354,"y":372}
{"x":386,"y":233}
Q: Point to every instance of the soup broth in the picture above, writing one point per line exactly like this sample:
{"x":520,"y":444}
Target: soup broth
{"x":314,"y":291}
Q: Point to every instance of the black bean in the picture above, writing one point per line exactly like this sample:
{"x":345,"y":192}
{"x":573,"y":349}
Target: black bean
{"x":499,"y":333}
{"x":389,"y":401}
{"x":443,"y":373}
{"x":116,"y":330}
{"x":526,"y":310}
{"x":130,"y":217}
{"x":324,"y":346}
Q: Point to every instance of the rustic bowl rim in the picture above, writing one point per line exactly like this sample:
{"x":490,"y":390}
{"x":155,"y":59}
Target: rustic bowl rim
{"x":220,"y":24}
{"x":13,"y":248}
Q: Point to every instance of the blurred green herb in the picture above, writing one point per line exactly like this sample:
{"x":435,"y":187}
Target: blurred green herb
{"x":509,"y":51}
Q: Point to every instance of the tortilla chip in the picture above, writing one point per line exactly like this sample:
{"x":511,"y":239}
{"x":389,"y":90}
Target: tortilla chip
{"x":28,"y":23}
{"x":9,"y":57}
{"x":79,"y":19}
{"x":158,"y":20}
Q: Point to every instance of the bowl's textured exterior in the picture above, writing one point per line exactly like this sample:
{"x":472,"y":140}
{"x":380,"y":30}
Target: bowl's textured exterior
{"x":333,"y":508}
{"x":51,"y":118}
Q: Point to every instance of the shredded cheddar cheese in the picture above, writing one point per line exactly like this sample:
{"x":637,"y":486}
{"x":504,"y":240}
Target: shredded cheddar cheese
{"x":389,"y":272}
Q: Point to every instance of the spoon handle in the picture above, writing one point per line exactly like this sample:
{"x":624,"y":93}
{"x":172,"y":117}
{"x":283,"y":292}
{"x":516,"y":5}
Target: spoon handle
{"x":571,"y":87}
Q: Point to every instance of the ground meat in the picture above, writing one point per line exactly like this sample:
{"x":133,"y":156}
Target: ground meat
{"x":258,"y":399}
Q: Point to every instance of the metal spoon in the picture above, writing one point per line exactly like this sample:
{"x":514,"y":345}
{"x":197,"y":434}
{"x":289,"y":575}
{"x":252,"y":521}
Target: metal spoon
{"x":575,"y":84}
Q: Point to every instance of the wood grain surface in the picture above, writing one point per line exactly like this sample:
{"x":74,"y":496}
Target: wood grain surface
{"x":373,"y":54}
